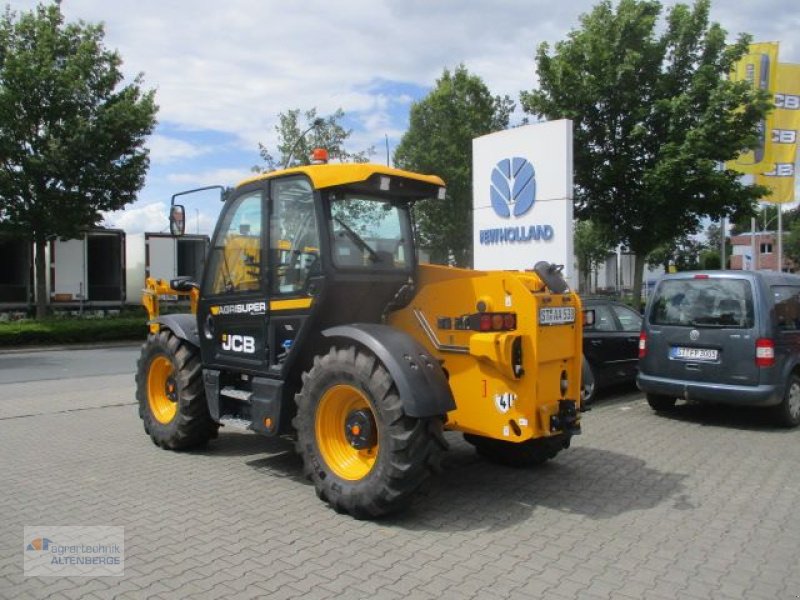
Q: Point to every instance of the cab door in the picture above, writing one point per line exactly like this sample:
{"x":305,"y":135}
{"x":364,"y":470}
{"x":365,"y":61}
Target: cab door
{"x":233,"y":309}
{"x":295,"y":268}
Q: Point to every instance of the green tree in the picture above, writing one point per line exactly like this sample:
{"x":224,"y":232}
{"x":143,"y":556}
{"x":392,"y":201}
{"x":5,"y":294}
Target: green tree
{"x":711,"y":258}
{"x":791,"y":242}
{"x":766,"y":219}
{"x":683,"y":253}
{"x":298,"y":137}
{"x":439,"y":140}
{"x":714,"y":235}
{"x":654,"y":116}
{"x":591,"y":248}
{"x":71,"y":135}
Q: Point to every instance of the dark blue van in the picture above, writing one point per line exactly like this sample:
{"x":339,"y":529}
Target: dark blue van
{"x":727,"y":337}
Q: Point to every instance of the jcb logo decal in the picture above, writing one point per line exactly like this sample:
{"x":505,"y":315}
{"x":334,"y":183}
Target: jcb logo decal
{"x":784,"y":136}
{"x":238,"y":343}
{"x":787,"y":101}
{"x":782,"y":170}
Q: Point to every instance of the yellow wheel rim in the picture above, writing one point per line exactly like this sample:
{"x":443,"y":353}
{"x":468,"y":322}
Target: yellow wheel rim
{"x":335,"y":407}
{"x":162,"y":392}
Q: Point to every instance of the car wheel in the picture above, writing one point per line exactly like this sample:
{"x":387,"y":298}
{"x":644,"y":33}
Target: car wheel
{"x":787,"y":413}
{"x":661,"y":403}
{"x":588,"y":385}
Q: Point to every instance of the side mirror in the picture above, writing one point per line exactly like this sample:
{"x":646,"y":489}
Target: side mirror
{"x":177,"y":219}
{"x":588,"y":317}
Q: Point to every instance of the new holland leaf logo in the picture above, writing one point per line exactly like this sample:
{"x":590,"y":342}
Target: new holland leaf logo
{"x":513,"y":188}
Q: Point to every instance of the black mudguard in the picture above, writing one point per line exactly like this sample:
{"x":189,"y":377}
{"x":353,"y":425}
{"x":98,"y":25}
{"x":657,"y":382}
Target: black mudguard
{"x":420,"y":380}
{"x":183,"y":325}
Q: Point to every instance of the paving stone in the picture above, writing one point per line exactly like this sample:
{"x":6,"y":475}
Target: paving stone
{"x":642,"y":506}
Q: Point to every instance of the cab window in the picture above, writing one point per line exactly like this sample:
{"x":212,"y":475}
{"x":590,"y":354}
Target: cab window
{"x":235,"y":261}
{"x":294,"y":236}
{"x":368,"y":232}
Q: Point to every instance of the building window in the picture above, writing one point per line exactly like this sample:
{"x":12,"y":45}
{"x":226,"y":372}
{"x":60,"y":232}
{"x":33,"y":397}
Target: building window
{"x":766,"y":248}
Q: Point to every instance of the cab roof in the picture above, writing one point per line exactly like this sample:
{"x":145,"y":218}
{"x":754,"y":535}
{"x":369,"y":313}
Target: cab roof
{"x":330,"y":175}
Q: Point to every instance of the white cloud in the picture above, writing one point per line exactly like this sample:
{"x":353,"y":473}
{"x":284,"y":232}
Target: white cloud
{"x":139,"y":219}
{"x":165,"y":149}
{"x":232,"y":67}
{"x":226,"y":177}
{"x":154,"y":218}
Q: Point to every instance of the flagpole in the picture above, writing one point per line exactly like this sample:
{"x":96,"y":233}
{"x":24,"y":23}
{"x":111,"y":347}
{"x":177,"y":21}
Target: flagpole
{"x":780,"y":238}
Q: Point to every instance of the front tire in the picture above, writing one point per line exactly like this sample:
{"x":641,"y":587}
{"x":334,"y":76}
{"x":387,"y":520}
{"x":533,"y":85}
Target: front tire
{"x":364,"y":454}
{"x":169,"y":389}
{"x":787,"y":413}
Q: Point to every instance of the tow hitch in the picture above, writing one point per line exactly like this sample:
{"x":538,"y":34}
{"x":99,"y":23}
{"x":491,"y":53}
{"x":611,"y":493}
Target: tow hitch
{"x":567,"y":419}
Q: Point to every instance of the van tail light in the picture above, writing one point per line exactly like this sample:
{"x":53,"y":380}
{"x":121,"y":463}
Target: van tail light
{"x":642,"y":344}
{"x":765,"y":352}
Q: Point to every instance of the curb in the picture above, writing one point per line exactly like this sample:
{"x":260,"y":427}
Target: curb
{"x":86,"y":346}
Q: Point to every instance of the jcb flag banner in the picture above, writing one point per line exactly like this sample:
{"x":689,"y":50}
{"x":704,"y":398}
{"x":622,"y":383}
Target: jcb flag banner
{"x":783,"y":136}
{"x":759,"y":68}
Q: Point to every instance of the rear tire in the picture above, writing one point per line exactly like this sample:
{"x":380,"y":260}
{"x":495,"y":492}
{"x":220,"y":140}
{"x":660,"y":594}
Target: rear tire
{"x":661,"y":403}
{"x":377,"y":473}
{"x":519,"y":455}
{"x":169,"y":389}
{"x":787,"y":413}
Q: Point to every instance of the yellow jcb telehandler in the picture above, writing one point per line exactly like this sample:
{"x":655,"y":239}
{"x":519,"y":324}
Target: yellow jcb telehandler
{"x":314,"y":320}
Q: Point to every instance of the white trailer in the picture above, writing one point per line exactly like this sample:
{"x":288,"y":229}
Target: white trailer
{"x":162,"y":256}
{"x":88,"y":271}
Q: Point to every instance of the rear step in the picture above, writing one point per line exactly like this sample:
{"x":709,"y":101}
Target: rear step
{"x":236,"y":423}
{"x":236,"y":394}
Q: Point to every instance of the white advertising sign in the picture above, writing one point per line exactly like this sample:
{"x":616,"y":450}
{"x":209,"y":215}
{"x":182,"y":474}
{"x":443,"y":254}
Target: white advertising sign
{"x":522,"y":198}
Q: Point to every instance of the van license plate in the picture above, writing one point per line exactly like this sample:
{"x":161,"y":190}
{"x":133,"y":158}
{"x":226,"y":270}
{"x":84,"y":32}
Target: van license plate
{"x":556,"y":315}
{"x":694,"y":353}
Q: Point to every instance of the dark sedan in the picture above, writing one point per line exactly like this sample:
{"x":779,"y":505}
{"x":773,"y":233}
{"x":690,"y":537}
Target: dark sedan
{"x":610,"y":345}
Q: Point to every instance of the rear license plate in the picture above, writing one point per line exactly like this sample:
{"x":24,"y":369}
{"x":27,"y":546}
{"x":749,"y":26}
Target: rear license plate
{"x":682,"y":353}
{"x":560,"y":315}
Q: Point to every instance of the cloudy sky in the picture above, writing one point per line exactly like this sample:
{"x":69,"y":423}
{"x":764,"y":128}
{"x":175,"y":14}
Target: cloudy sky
{"x":224,"y":70}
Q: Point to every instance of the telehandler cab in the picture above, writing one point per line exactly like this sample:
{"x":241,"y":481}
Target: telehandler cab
{"x":313,"y":319}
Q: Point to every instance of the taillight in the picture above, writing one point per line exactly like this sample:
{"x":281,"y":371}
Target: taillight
{"x":642,"y":344}
{"x":765,"y":352}
{"x":492,"y":321}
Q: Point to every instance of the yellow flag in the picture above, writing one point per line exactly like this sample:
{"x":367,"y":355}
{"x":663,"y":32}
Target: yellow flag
{"x":780,"y":178}
{"x":759,"y":68}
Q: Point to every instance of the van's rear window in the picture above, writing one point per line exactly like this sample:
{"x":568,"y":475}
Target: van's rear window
{"x":708,"y":302}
